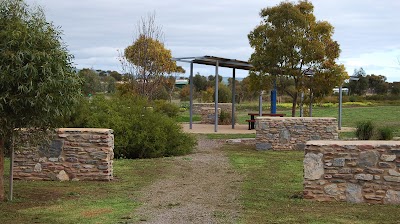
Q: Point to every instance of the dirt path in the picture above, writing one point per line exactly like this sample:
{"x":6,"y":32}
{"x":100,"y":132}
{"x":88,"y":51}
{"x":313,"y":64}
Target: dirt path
{"x":198,"y":188}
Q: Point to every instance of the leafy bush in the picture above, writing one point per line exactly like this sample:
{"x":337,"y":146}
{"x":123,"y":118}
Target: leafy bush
{"x":207,"y":96}
{"x":139,"y":132}
{"x":385,"y":133}
{"x":169,"y":109}
{"x":225,"y":118}
{"x":365,"y":130}
{"x":184,"y":93}
{"x":224,"y":94}
{"x":185,"y":105}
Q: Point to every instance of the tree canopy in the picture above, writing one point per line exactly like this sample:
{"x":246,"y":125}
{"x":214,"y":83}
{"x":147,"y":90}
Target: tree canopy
{"x":371,"y":84}
{"x":291,"y":42}
{"x":147,"y":59}
{"x":38,"y":84}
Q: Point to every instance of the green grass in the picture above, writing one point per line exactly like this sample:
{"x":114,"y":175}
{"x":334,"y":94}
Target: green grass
{"x":270,"y":193}
{"x":272,"y":189}
{"x":84,"y":201}
{"x":382,"y":116}
{"x":185,"y":117}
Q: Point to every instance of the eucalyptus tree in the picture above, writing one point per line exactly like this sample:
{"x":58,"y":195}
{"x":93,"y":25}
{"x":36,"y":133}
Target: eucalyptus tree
{"x":290,"y":42}
{"x":147,"y":60}
{"x":38,"y":85}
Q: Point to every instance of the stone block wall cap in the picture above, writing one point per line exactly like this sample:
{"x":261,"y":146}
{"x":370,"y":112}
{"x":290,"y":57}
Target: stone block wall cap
{"x":356,"y":142}
{"x":94,"y":130}
{"x":208,"y":108}
{"x":295,"y":118}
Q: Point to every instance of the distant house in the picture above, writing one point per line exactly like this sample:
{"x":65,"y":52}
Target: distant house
{"x":181,"y":82}
{"x":345,"y":91}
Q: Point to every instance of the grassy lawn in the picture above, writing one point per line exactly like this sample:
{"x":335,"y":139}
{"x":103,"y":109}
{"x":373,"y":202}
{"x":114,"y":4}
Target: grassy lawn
{"x":85,"y":201}
{"x":185,"y":117}
{"x":273,"y":182}
{"x":381,"y":116}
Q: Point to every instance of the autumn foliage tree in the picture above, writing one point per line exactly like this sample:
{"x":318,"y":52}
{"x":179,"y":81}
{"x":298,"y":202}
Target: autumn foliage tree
{"x":147,"y":60}
{"x":291,"y":42}
{"x":38,"y":84}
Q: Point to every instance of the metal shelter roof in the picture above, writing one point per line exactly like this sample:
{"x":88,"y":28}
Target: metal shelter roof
{"x":217,"y":62}
{"x":212,"y":60}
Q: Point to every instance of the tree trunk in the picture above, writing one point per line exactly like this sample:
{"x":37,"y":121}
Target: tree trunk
{"x":2,"y":198}
{"x":294,"y":104}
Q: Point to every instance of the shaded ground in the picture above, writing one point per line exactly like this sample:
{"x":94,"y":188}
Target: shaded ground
{"x":199,"y":188}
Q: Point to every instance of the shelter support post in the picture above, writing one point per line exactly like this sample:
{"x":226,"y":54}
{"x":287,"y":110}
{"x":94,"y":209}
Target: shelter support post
{"x":233,"y":97}
{"x":311,"y":99}
{"x":340,"y":107}
{"x":191,"y":97}
{"x":301,"y":103}
{"x":260,"y":104}
{"x":216,"y":98}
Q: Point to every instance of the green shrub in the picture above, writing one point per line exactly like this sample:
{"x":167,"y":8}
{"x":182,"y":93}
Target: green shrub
{"x":139,"y":132}
{"x":185,"y":105}
{"x":224,"y":94}
{"x":225,"y":118}
{"x":169,"y":109}
{"x":365,"y":130}
{"x":385,"y":133}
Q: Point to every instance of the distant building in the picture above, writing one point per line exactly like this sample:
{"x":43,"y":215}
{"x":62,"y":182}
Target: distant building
{"x":345,"y":91}
{"x":181,"y":82}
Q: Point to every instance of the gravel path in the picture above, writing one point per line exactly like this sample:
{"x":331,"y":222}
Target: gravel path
{"x":198,"y":188}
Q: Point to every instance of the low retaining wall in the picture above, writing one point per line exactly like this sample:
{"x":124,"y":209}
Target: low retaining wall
{"x":227,"y":107}
{"x":74,"y":154}
{"x":208,"y":115}
{"x":352,"y":171}
{"x":292,"y":133}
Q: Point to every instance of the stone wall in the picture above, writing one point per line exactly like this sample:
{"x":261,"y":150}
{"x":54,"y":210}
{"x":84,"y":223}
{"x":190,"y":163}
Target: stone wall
{"x":74,"y":154}
{"x":352,"y":171}
{"x":208,"y":115}
{"x":292,"y":133}
{"x":227,"y":107}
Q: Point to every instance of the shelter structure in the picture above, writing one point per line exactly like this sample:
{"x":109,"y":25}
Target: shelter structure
{"x":217,"y":62}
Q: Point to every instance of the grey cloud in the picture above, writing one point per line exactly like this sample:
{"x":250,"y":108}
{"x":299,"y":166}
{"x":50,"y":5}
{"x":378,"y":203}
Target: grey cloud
{"x":211,"y":27}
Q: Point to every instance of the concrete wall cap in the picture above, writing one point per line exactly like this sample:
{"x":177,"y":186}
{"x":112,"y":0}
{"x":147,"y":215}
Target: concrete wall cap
{"x":93,"y":130}
{"x":356,"y":143}
{"x":295,"y":118}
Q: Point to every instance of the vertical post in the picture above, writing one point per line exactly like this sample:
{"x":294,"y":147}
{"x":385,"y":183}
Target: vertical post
{"x":191,"y":97}
{"x":12,"y":170}
{"x":216,"y":98}
{"x":301,"y":103}
{"x":233,"y":97}
{"x":340,"y":108}
{"x":260,"y":104}
{"x":273,"y":98}
{"x":311,"y":98}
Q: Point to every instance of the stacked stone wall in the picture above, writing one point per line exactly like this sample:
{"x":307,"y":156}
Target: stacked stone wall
{"x":226,"y":107}
{"x":208,"y":115}
{"x":352,"y":171}
{"x":74,"y":154}
{"x":292,"y":133}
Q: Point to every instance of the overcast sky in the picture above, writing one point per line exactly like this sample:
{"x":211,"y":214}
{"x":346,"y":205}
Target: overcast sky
{"x":94,"y":30}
